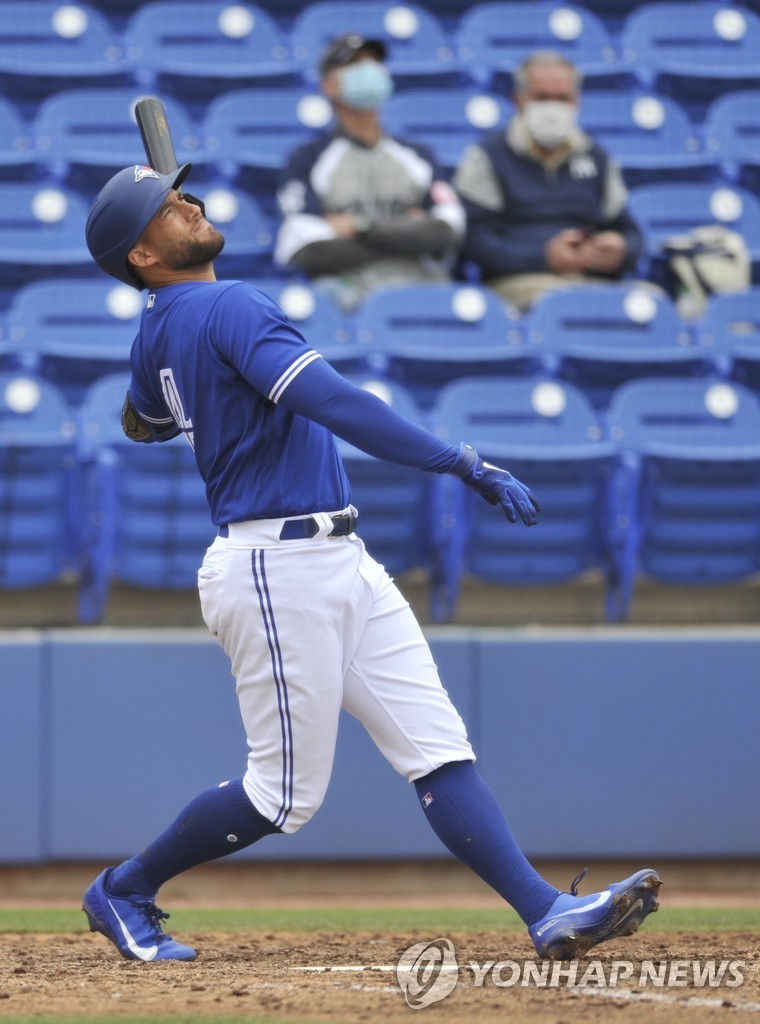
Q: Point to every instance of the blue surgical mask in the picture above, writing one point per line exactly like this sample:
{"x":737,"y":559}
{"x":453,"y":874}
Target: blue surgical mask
{"x":365,"y":86}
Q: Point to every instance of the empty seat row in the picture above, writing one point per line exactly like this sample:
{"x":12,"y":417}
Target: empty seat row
{"x":222,"y":41}
{"x":82,"y":134}
{"x":421,"y":336}
{"x":666,"y":484}
{"x":43,"y":227}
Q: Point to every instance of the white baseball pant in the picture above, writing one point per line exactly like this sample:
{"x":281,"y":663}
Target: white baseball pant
{"x":310,"y":626}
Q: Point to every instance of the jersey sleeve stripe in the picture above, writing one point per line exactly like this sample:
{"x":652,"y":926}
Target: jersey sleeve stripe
{"x":290,"y":374}
{"x":154,"y":419}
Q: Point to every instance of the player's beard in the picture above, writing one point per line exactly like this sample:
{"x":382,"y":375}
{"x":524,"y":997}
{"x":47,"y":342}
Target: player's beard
{"x":193,"y":252}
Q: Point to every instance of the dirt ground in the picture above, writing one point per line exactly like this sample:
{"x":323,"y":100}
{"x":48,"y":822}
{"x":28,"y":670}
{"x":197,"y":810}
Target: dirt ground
{"x":352,"y":977}
{"x":243,"y":975}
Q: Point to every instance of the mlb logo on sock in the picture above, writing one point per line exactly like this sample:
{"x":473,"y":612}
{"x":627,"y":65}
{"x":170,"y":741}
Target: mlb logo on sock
{"x":427,"y":799}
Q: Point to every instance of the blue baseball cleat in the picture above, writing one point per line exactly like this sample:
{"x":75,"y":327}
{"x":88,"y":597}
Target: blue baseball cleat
{"x":573,"y":923}
{"x":132,"y":923}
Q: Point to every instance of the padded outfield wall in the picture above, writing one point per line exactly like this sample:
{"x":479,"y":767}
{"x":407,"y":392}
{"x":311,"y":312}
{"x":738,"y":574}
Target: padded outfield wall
{"x":598,"y":743}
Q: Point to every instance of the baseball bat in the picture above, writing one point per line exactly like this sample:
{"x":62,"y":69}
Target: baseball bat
{"x":156,"y":134}
{"x":157,"y":141}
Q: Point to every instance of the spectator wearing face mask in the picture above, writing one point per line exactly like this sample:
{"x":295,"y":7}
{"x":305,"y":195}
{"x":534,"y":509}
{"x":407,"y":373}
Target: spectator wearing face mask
{"x":546,"y":206}
{"x":361,"y":209}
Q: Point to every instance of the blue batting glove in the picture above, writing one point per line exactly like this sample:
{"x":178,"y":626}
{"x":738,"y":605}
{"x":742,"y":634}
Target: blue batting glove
{"x":496,"y":485}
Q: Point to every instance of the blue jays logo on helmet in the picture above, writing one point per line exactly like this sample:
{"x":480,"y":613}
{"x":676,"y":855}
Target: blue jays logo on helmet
{"x":122,"y":211}
{"x":143,"y":171}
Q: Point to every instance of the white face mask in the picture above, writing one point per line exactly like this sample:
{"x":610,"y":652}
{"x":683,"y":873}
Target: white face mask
{"x":366,"y":85}
{"x":550,"y":122}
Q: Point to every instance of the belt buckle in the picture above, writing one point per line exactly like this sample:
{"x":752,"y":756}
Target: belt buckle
{"x":346,"y":521}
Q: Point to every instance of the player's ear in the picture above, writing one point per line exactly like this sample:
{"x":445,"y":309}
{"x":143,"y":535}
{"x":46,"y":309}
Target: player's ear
{"x":140,"y":256}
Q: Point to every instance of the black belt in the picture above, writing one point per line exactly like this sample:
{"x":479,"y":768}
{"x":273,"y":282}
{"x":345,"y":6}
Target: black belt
{"x":302,"y":529}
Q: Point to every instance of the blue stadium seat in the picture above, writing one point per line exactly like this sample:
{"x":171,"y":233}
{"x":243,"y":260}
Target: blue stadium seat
{"x":426,"y":335}
{"x":42,"y":231}
{"x":201,"y":51}
{"x":549,"y":437}
{"x":686,"y":497}
{"x":676,"y":208}
{"x":324,"y":326}
{"x":85,"y":135}
{"x":17,"y":158}
{"x":493,"y":38}
{"x":730,"y":332}
{"x":148,"y":520}
{"x":418,"y":47}
{"x":74,"y":331}
{"x":39,"y":512}
{"x":392,"y":500}
{"x":46,"y":45}
{"x":598,"y":337}
{"x":248,"y":230}
{"x":649,"y":136}
{"x":250,"y":134}
{"x":447,"y":122}
{"x":692,"y":50}
{"x":732,"y":135}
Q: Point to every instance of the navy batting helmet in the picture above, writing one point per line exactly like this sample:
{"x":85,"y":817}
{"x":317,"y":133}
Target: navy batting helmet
{"x":122,"y":211}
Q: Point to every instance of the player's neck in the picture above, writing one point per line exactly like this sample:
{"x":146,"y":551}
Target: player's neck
{"x":165,"y":276}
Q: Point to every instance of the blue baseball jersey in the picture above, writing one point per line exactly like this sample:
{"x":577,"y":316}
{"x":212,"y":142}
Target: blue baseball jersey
{"x":215,"y":357}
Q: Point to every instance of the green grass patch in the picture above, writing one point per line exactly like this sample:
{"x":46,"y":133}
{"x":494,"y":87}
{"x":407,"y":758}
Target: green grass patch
{"x":399,"y":919}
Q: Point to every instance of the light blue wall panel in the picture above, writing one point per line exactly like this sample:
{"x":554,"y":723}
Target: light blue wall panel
{"x":140,"y":724}
{"x":614,"y":745}
{"x":143,"y":722}
{"x":23,"y":806}
{"x":600,"y":743}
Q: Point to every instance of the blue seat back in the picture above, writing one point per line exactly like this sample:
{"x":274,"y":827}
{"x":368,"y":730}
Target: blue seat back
{"x":427,"y":335}
{"x":662,"y":211}
{"x":731,"y":325}
{"x":447,"y":122}
{"x":50,"y":39}
{"x":493,"y":38}
{"x":598,"y":337}
{"x":549,"y":436}
{"x":150,"y":522}
{"x":418,"y":46}
{"x":15,"y":138}
{"x":644,"y":133}
{"x":248,"y":128}
{"x":74,"y":331}
{"x":688,"y":419}
{"x":38,"y":497}
{"x":732,"y":135}
{"x":703,"y":40}
{"x":215,"y":43}
{"x":96,"y":130}
{"x":616,"y":317}
{"x":43,"y":229}
{"x":248,"y":231}
{"x":688,"y":486}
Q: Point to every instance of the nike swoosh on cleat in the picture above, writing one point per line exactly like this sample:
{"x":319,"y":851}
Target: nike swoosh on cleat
{"x":141,"y":952}
{"x":599,"y":901}
{"x":638,"y":905}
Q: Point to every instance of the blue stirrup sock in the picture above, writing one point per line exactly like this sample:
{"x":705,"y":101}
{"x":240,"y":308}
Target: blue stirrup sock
{"x":466,"y":818}
{"x":216,"y":823}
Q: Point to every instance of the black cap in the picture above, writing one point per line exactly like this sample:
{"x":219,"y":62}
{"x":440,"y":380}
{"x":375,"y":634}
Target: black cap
{"x":342,"y":51}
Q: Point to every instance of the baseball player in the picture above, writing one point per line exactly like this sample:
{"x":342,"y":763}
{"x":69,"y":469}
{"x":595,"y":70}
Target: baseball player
{"x":310,"y":622}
